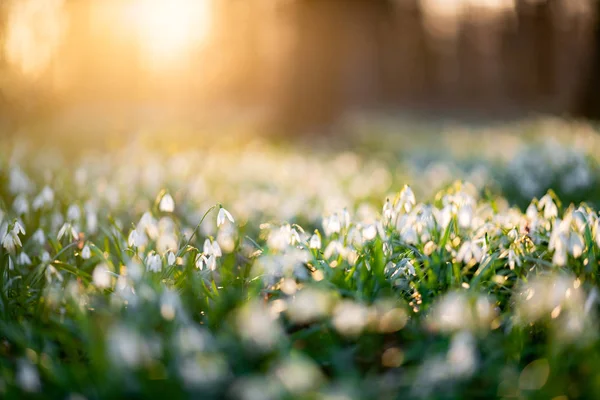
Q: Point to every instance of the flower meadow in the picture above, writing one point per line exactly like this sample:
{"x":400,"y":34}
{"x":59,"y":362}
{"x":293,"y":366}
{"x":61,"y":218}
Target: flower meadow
{"x":267,"y":271}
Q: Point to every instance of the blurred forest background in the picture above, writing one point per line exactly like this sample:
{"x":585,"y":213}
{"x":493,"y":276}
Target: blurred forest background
{"x":300,"y":65}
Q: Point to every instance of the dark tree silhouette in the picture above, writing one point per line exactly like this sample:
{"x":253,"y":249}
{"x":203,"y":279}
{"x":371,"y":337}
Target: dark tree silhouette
{"x":336,"y":58}
{"x":588,"y":105}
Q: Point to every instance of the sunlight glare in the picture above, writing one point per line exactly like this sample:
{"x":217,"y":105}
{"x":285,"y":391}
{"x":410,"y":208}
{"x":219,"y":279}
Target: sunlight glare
{"x":33,"y":33}
{"x":168,"y":29}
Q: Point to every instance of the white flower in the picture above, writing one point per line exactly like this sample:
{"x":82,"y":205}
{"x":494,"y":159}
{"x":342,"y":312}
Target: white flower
{"x":315,"y":242}
{"x":513,"y":258}
{"x":332,"y":224}
{"x":564,"y":240}
{"x":153,"y":262}
{"x":388,"y":211}
{"x":207,"y":249}
{"x":18,"y":181}
{"x":39,"y":237}
{"x":18,"y":228}
{"x":86,"y":253}
{"x":45,"y":257}
{"x":547,"y":204}
{"x":397,"y":271}
{"x":212,"y":248}
{"x":216,"y":249}
{"x":334,"y":247}
{"x":201,"y":261}
{"x":349,"y":318}
{"x":136,"y":239}
{"x":465,"y":216}
{"x":576,"y":244}
{"x":167,"y":204}
{"x":45,"y":198}
{"x":406,"y":200}
{"x":10,"y":238}
{"x":73,"y":213}
{"x":92,"y":221}
{"x":23,"y":259}
{"x":68,"y":230}
{"x":222,"y":216}
{"x":407,"y":267}
{"x":101,"y":276}
{"x":171,"y":258}
{"x":20,"y":205}
{"x":27,"y":377}
{"x":369,"y":232}
{"x":469,"y":251}
{"x":52,"y":273}
{"x":211,"y":263}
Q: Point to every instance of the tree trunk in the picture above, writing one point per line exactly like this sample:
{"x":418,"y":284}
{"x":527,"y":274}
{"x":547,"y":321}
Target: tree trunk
{"x":589,"y":104}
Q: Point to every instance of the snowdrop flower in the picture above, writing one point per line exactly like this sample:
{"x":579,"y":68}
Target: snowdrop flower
{"x":153,"y":262}
{"x":86,"y":253}
{"x":575,"y":245}
{"x":258,"y":326}
{"x":45,"y":198}
{"x":406,"y":200}
{"x":332,"y":224}
{"x":52,"y":273}
{"x":67,"y":230}
{"x":20,"y":205}
{"x":39,"y":237}
{"x":171,"y":258}
{"x":388,"y":211}
{"x":470,"y":251}
{"x":350,"y":318}
{"x":201,"y":261}
{"x":212,"y":248}
{"x":148,"y":225}
{"x":167,"y":204}
{"x":315,"y":242}
{"x":443,"y":216}
{"x":407,"y":267}
{"x":45,"y":257}
{"x":397,"y":272}
{"x":222,"y":216}
{"x":18,"y":181}
{"x":136,"y":239}
{"x":91,"y":220}
{"x":73,"y":213}
{"x":10,"y":238}
{"x":542,"y":296}
{"x":23,"y":259}
{"x":27,"y":377}
{"x":281,"y":238}
{"x":101,"y":276}
{"x":462,"y":357}
{"x":127,"y":347}
{"x":211,"y":263}
{"x":513,"y":258}
{"x":334,"y":247}
{"x":564,"y":240}
{"x":18,"y":228}
{"x":459,"y":311}
{"x":548,"y":206}
{"x":369,"y":232}
{"x":295,"y":236}
{"x":465,"y":216}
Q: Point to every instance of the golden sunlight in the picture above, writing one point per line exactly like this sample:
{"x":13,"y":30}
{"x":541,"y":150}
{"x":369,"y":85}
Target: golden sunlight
{"x":168,"y":29}
{"x":34,"y":31}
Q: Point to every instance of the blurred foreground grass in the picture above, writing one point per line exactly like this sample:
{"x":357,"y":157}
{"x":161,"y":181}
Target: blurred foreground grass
{"x":323,"y":276}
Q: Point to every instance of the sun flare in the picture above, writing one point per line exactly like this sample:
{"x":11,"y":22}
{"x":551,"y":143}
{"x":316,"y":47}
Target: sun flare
{"x":167,"y":29}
